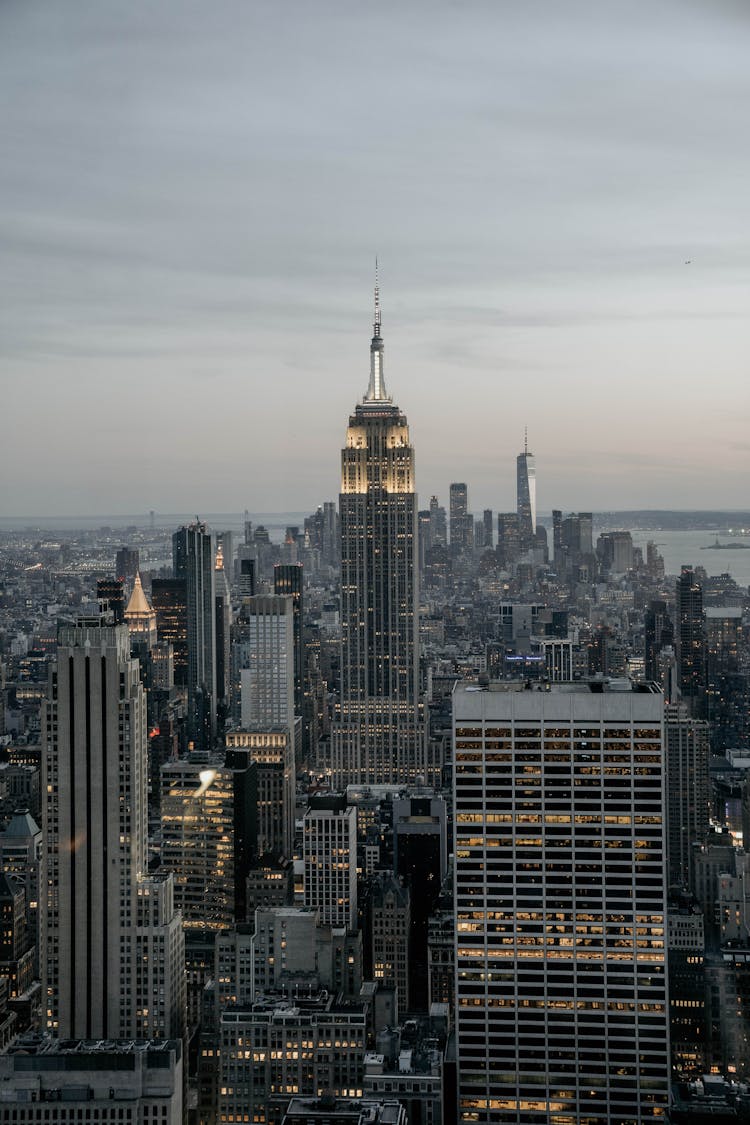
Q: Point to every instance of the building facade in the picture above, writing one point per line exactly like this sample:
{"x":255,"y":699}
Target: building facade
{"x":95,"y":832}
{"x":378,"y":735}
{"x":560,"y":904}
{"x":526,"y":496}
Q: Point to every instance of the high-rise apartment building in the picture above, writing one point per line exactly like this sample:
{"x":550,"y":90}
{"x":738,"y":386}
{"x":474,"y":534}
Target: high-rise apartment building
{"x":379,"y":735}
{"x":329,"y":834}
{"x":562,"y":1009}
{"x":95,"y":862}
{"x":194,"y":559}
{"x":526,"y":495}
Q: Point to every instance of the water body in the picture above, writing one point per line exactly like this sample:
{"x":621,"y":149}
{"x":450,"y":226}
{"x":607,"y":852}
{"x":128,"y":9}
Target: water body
{"x":683,"y":548}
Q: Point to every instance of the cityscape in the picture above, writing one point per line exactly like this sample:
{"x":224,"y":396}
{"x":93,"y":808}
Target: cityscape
{"x":374,"y":563}
{"x":400,"y":814}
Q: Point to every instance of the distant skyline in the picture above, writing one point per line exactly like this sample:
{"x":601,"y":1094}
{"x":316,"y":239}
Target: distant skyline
{"x":192,"y":197}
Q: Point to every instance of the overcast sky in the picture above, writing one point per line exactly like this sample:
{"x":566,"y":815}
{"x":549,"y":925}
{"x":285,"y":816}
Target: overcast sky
{"x":192,"y":196}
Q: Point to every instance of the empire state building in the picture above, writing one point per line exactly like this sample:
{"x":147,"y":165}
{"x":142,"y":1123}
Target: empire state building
{"x":378,"y":736}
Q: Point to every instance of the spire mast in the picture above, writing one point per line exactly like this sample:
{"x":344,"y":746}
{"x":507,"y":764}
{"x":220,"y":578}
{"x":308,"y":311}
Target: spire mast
{"x":376,"y":319}
{"x":376,"y":391}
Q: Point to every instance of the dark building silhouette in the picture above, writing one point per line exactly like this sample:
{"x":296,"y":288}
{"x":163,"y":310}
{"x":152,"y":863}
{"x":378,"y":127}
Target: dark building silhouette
{"x":690,"y":636}
{"x":169,"y":599}
{"x":110,"y":592}
{"x":127,"y":563}
{"x":194,"y":559}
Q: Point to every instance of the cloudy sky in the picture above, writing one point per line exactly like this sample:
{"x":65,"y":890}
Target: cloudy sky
{"x":192,"y":196}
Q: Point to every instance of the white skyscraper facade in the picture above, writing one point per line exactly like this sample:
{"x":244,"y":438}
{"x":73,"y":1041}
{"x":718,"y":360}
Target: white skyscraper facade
{"x":264,"y":657}
{"x":378,"y":736}
{"x":562,"y":1013}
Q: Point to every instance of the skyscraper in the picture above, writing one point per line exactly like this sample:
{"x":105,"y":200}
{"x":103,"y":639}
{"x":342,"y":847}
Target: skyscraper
{"x":378,"y":736}
{"x":194,"y":559}
{"x":658,"y":633}
{"x":690,"y":637}
{"x":459,"y":516}
{"x":329,"y":834}
{"x":526,"y":495}
{"x":560,"y":904}
{"x":95,"y":831}
{"x":263,"y":662}
{"x":288,"y":582}
{"x":688,"y":807}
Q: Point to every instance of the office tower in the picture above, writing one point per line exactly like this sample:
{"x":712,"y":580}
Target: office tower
{"x":687,"y":808}
{"x":263,"y":662}
{"x":459,"y":516}
{"x":420,"y":859}
{"x":272,"y":751}
{"x":439,"y":535}
{"x":690,"y":638}
{"x":110,"y":593}
{"x":526,"y":495}
{"x":127,"y":562}
{"x":658,"y":634}
{"x":329,"y":540}
{"x":424,"y":531}
{"x":508,"y":539}
{"x":557,"y":535}
{"x":288,"y":582}
{"x":614,"y":550}
{"x":246,"y":580}
{"x":727,"y":678}
{"x":169,"y":599}
{"x":194,"y":559}
{"x":140,"y":618}
{"x":560,"y":904}
{"x":389,"y":932}
{"x":686,"y":948}
{"x":197,"y":819}
{"x":95,"y":832}
{"x":223,"y":630}
{"x":379,"y":736}
{"x":329,"y":835}
{"x":488,"y":521}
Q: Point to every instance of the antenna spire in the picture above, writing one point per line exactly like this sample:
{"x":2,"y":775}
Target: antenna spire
{"x":376,"y":321}
{"x":526,"y":439}
{"x":376,"y":391}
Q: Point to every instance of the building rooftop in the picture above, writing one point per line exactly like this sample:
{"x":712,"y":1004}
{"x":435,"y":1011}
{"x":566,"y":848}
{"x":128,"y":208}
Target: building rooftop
{"x":571,"y":687}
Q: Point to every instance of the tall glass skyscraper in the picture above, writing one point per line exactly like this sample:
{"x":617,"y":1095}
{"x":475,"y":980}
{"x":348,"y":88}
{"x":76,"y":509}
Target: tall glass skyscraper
{"x":378,"y":735}
{"x":526,"y":495}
